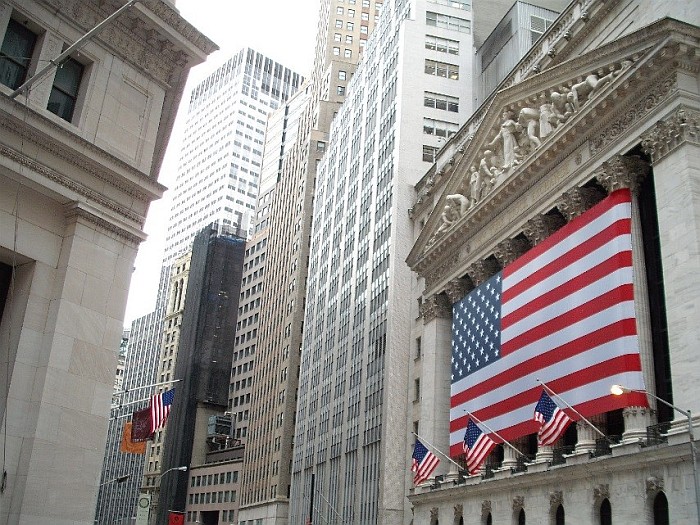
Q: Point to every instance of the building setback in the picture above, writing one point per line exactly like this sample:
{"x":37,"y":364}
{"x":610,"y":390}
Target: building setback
{"x":620,"y":83}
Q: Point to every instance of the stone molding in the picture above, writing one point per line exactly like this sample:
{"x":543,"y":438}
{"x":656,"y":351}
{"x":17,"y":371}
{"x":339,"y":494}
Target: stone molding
{"x":459,"y":511}
{"x":456,"y":289}
{"x":540,"y":227}
{"x":577,"y":200}
{"x":74,"y":211}
{"x":601,"y":492}
{"x":70,"y":184}
{"x":518,"y":503}
{"x":622,"y":172}
{"x":556,"y":498}
{"x":84,"y":160}
{"x":667,"y":135}
{"x":485,"y":507}
{"x":435,"y":306}
{"x":654,"y":484}
{"x":434,"y":514}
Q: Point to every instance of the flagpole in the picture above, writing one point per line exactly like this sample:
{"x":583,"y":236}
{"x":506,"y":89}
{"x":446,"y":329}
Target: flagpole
{"x":574,"y":410}
{"x":448,"y":458}
{"x":127,"y":390}
{"x":492,"y":431}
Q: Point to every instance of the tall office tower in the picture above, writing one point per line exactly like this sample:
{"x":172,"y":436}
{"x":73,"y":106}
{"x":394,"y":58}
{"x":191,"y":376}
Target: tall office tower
{"x":219,"y":169}
{"x":116,"y":501}
{"x":203,"y":358}
{"x":342,"y":35}
{"x":408,"y":96}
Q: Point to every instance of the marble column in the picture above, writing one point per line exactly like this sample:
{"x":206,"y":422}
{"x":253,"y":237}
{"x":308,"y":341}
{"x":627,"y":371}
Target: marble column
{"x":436,"y":355}
{"x":628,"y":172}
{"x":587,"y":436}
{"x":674,"y":147}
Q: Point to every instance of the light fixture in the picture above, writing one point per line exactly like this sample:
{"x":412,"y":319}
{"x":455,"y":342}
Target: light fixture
{"x":618,"y":390}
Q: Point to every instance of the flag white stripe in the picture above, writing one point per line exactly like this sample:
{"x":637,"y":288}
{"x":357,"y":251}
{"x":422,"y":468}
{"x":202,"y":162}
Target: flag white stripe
{"x":614,"y":214}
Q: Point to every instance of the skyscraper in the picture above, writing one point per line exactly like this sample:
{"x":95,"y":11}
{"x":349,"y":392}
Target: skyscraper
{"x":219,"y":168}
{"x":407,"y":98}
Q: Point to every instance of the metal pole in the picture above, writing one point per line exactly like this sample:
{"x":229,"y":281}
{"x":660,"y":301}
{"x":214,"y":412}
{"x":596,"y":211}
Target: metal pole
{"x":575,"y":411}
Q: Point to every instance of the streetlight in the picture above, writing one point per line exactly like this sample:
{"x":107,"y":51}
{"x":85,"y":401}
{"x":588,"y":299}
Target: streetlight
{"x":118,"y":479}
{"x":618,"y":390}
{"x":170,"y":470}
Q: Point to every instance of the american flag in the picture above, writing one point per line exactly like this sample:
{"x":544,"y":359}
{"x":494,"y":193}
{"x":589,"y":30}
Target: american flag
{"x":563,"y":313}
{"x":424,"y":463}
{"x":553,"y":420}
{"x":160,"y":408}
{"x":477,"y":445}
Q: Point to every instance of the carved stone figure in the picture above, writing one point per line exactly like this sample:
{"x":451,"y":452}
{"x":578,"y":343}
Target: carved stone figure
{"x":591,"y":84}
{"x":547,"y":118}
{"x":475,"y":185}
{"x":562,"y":109}
{"x":489,"y":173}
{"x":456,"y":206}
{"x":507,"y":140}
{"x":529,"y":118}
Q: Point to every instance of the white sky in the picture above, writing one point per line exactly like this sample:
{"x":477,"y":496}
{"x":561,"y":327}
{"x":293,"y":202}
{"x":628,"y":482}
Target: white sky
{"x":284,"y":30}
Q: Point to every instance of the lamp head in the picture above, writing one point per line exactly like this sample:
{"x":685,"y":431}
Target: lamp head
{"x":618,"y":390}
{"x":181,"y":468}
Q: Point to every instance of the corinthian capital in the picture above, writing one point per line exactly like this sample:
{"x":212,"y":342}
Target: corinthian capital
{"x":457,"y":288}
{"x":482,"y":270}
{"x":667,"y":135}
{"x":622,"y":172}
{"x":510,"y":249}
{"x":577,"y":200}
{"x":540,"y":227}
{"x":435,"y":306}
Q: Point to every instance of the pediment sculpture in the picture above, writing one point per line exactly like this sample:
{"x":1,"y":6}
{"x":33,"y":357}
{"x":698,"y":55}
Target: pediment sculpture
{"x":524,"y":128}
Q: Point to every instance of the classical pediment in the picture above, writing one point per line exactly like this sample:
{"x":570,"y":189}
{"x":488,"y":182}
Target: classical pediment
{"x":527,"y":129}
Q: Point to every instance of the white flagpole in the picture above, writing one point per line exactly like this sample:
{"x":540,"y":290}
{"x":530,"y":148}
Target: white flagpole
{"x":573,"y":409}
{"x":448,"y":458}
{"x":494,"y":433}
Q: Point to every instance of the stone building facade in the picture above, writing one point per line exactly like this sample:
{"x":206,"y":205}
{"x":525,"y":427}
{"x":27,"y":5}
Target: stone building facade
{"x":79,"y":155}
{"x":620,"y":80}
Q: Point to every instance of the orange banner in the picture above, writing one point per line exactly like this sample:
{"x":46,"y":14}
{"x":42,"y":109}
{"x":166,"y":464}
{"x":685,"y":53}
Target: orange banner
{"x":129,"y":446}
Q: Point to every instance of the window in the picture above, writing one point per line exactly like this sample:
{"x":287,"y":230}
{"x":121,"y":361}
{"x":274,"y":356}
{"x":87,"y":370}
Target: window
{"x":337,"y":37}
{"x":538,"y":26}
{"x":351,"y":13}
{"x":416,"y":384}
{"x":438,"y":101}
{"x":340,"y":90}
{"x":454,"y":3}
{"x":364,"y":30}
{"x":348,"y":39}
{"x":439,"y":128}
{"x":336,"y":51}
{"x":342,"y":75}
{"x":339,"y":10}
{"x":442,"y":69}
{"x":443,"y":45}
{"x":605,"y":512}
{"x":351,"y":26}
{"x":64,"y":93}
{"x":418,"y":347}
{"x":447,"y":22}
{"x":15,"y":54}
{"x":429,"y":153}
{"x":364,"y":16}
{"x":559,"y":518}
{"x":339,"y":24}
{"x":348,"y":53}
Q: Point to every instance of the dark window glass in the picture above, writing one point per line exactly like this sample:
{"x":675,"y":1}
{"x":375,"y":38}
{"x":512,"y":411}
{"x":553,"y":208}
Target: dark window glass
{"x":64,"y":92}
{"x":521,"y":517}
{"x":16,"y":54}
{"x":661,"y":509}
{"x":605,"y":513}
{"x":559,"y":519}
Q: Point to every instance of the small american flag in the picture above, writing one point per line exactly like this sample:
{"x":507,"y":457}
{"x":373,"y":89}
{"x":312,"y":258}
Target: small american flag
{"x":160,"y":408}
{"x":553,"y":420}
{"x":424,"y":463}
{"x":477,"y":446}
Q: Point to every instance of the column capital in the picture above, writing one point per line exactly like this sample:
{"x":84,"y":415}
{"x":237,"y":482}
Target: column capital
{"x":518,"y":503}
{"x":435,"y":306}
{"x":510,"y":249}
{"x":556,"y":497}
{"x":457,"y":288}
{"x":601,"y":492}
{"x":485,"y":507}
{"x":577,"y":200}
{"x":682,"y":126}
{"x":482,"y":270}
{"x":622,"y":172}
{"x":540,"y":227}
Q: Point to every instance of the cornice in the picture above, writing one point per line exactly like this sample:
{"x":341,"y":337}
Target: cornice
{"x":683,"y":126}
{"x":58,"y":141}
{"x":75,"y":210}
{"x":70,"y":184}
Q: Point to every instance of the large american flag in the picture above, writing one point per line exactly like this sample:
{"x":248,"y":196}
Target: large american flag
{"x":160,"y":408}
{"x":562,"y":313}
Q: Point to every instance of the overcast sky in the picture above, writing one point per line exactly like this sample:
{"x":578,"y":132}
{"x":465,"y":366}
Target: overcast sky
{"x":285,"y":31}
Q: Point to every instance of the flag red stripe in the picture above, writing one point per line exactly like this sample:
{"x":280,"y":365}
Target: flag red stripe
{"x":620,"y":260}
{"x":586,"y":342}
{"x":611,"y":298}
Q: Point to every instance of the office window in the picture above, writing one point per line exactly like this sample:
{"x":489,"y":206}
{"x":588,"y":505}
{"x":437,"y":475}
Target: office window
{"x":336,"y":51}
{"x":467,"y":6}
{"x":15,"y":54}
{"x":364,"y":16}
{"x":348,"y":53}
{"x":443,"y":102}
{"x":342,"y":75}
{"x":351,"y":26}
{"x":429,"y":153}
{"x":364,"y":30}
{"x":348,"y":39}
{"x":447,"y":22}
{"x":442,"y":69}
{"x":340,"y":90}
{"x":443,"y":45}
{"x":339,"y":24}
{"x":64,"y":93}
{"x":351,"y":13}
{"x":439,"y":128}
{"x":339,"y":10}
{"x":337,"y":37}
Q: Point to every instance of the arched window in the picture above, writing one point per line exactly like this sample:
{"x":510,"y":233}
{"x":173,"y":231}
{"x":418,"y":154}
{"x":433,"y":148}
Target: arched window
{"x":661,"y":510}
{"x":559,"y":516}
{"x":521,"y":517}
{"x":605,"y":512}
{"x":461,"y":521}
{"x":489,"y":520}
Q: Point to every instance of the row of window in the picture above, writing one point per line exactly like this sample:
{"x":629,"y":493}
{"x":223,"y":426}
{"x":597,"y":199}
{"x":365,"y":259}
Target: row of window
{"x":447,"y":22}
{"x":222,"y":496}
{"x":214,"y":479}
{"x":16,"y":56}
